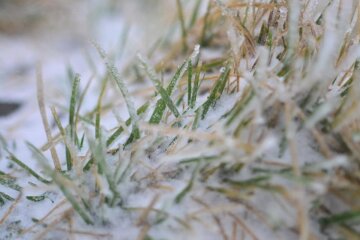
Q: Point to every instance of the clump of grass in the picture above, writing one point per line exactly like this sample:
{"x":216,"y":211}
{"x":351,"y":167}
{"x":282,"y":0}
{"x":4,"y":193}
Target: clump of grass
{"x":216,"y":125}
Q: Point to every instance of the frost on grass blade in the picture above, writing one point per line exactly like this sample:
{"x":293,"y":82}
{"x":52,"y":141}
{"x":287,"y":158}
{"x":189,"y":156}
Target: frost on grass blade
{"x":63,"y":184}
{"x":10,"y":183}
{"x":39,"y":198}
{"x":196,"y":86}
{"x":97,"y":148}
{"x":163,"y":93}
{"x":28,"y":169}
{"x":118,"y":131}
{"x":216,"y":91}
{"x":4,"y":197}
{"x":190,"y":70}
{"x":115,"y":75}
{"x":72,"y":124}
{"x":161,"y":104}
{"x":98,"y":109}
{"x":240,"y":106}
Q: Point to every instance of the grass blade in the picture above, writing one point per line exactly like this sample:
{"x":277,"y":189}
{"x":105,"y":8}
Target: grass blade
{"x":98,"y":111}
{"x":41,"y":102}
{"x":114,"y":73}
{"x":240,"y":106}
{"x":340,"y":218}
{"x":61,"y":182}
{"x":98,"y":150}
{"x":118,"y":131}
{"x":28,"y":169}
{"x":73,"y":99}
{"x":196,"y":88}
{"x":182,"y":23}
{"x":164,"y":95}
{"x":205,"y":26}
{"x":188,"y":187}
{"x":189,"y":81}
{"x":195,"y":14}
{"x":161,"y":105}
{"x":217,"y":90}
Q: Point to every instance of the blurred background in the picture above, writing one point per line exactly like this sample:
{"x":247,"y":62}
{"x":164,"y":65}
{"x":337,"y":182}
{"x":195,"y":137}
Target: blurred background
{"x":58,"y":35}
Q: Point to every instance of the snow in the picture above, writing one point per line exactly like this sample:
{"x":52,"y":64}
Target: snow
{"x":156,"y":170}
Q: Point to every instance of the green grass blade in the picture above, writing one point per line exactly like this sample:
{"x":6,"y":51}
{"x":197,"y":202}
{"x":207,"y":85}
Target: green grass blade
{"x":7,"y":197}
{"x":224,"y":79}
{"x":98,"y":151}
{"x":240,"y":106}
{"x":190,"y":68}
{"x":218,"y":62}
{"x":205,"y":26}
{"x":249,"y":182}
{"x":10,"y":182}
{"x":198,"y":114}
{"x":182,"y":23}
{"x":196,"y":88}
{"x":28,"y":169}
{"x":39,"y":198}
{"x":73,"y":99}
{"x":340,"y":218}
{"x":216,"y":91}
{"x":98,"y":111}
{"x":118,"y":131}
{"x":195,"y":14}
{"x":81,"y":100}
{"x":161,"y":105}
{"x":188,"y":187}
{"x":164,"y":95}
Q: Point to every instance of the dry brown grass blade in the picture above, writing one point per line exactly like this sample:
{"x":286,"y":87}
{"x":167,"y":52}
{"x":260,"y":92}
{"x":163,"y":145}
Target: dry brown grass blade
{"x":256,"y":5}
{"x":143,"y":221}
{"x":53,"y":224}
{"x":347,"y":133}
{"x":42,"y":220}
{"x":85,"y":233}
{"x":216,"y":218}
{"x":250,"y":43}
{"x":243,"y":226}
{"x":41,"y":102}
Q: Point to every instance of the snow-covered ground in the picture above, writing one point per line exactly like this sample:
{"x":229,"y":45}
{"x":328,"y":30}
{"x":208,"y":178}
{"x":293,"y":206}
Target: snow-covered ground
{"x":152,"y":206}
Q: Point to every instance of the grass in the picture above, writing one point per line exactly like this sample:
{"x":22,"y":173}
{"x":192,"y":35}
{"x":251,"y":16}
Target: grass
{"x":254,"y":136}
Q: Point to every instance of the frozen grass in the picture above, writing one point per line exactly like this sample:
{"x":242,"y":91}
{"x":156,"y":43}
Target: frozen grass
{"x":259,"y":142}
